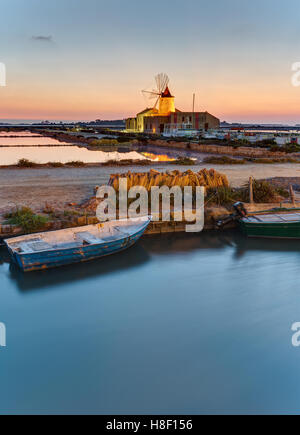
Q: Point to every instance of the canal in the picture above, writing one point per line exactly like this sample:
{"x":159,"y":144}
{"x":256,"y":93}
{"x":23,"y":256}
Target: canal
{"x":188,"y":324}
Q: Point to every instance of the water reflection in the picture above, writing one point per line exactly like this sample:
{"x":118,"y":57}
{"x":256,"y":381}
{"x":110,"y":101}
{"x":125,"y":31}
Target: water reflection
{"x":208,"y":240}
{"x":63,"y":154}
{"x":161,"y":245}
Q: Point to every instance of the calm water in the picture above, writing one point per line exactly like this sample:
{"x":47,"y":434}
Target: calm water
{"x":34,"y":148}
{"x":191,"y":324}
{"x":63,"y":154}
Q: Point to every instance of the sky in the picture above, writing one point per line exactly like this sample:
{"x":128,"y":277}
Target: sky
{"x":88,"y":59}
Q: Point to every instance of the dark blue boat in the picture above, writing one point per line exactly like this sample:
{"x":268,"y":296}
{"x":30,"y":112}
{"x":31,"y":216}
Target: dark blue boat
{"x":73,"y":245}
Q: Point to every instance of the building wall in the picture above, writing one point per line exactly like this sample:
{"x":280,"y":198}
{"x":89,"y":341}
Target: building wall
{"x":166,"y":106}
{"x":198,"y":120}
{"x":155,"y":124}
{"x":140,"y":119}
{"x":149,"y":121}
{"x":131,"y":124}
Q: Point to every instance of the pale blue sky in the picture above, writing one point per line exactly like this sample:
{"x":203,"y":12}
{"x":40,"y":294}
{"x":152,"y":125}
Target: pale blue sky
{"x":235,"y":54}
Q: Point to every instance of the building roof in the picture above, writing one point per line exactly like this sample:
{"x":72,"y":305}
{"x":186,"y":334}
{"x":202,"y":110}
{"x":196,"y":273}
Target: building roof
{"x":167,"y":93}
{"x":151,"y":110}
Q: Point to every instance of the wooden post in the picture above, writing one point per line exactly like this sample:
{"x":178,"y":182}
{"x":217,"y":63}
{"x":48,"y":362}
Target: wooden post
{"x":292,"y":195}
{"x":251,"y":190}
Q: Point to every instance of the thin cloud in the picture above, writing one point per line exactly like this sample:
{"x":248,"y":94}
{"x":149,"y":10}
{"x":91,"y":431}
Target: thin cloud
{"x":42,"y":38}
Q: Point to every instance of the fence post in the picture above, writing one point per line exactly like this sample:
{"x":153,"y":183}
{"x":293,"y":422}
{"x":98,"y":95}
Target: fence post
{"x":292,"y":195}
{"x":251,"y":190}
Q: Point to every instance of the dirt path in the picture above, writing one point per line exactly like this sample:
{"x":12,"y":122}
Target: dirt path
{"x":59,"y":186}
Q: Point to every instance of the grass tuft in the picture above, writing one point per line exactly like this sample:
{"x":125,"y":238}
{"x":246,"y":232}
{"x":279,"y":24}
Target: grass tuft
{"x":224,"y":160}
{"x":185,"y":161}
{"x":76,"y":164}
{"x":25,"y":218}
{"x":25,"y":163}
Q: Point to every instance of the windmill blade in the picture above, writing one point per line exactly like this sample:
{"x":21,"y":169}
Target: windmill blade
{"x":157,"y":79}
{"x":162,"y":81}
{"x":156,"y":102}
{"x":150,"y":94}
{"x":165,"y":81}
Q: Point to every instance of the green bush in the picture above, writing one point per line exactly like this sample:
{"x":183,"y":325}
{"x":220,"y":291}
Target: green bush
{"x":270,"y":160}
{"x":224,"y":160}
{"x":104,"y":142}
{"x":275,"y":148}
{"x":124,"y":139}
{"x":25,"y":163}
{"x":263,"y":192}
{"x":25,"y":218}
{"x":291,"y":148}
{"x":185,"y":161}
{"x":221,"y":196}
{"x":77,"y":164}
{"x":55,"y":164}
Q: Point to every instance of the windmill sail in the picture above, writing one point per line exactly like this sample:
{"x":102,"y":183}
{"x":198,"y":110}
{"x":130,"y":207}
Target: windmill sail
{"x":162,"y":81}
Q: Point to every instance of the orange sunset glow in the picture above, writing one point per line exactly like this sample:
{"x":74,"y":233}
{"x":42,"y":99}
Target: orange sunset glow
{"x":242,"y":72}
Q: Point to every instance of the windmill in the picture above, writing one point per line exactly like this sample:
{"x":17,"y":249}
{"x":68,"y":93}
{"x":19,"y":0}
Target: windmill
{"x":162,"y":90}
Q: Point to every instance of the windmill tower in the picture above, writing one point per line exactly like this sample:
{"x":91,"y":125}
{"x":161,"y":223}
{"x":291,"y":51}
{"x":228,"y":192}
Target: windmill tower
{"x":162,"y":95}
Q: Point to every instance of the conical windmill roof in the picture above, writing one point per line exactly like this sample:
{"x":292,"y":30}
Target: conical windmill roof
{"x":167,"y":93}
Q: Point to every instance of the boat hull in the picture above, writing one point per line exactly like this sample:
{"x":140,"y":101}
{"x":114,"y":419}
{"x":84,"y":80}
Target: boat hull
{"x":271,"y":230}
{"x":56,"y":258}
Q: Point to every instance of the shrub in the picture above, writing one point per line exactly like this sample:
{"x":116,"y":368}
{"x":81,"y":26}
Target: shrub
{"x":291,"y":148}
{"x":275,"y":148}
{"x":55,"y":164}
{"x":124,"y":139}
{"x":221,"y":195}
{"x":104,"y":142}
{"x":263,"y":192}
{"x":184,"y":161}
{"x":77,"y":164}
{"x":26,"y":219}
{"x":70,"y":213}
{"x":270,"y":160}
{"x":127,"y":162}
{"x":224,"y":160}
{"x":266,"y":143}
{"x":282,"y":192}
{"x":25,"y":163}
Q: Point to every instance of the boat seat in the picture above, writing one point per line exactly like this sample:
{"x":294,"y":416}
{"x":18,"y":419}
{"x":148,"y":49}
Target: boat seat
{"x":67,"y":245}
{"x":109,"y":238}
{"x":86,"y":238}
{"x":121,"y":231}
{"x":34,"y":246}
